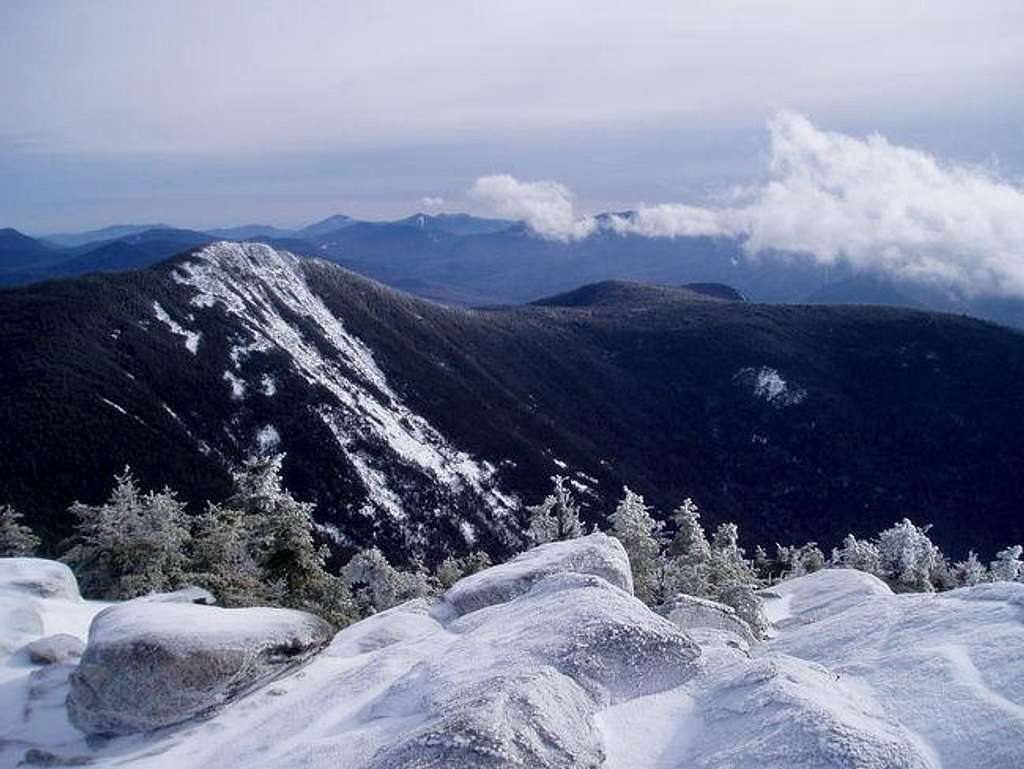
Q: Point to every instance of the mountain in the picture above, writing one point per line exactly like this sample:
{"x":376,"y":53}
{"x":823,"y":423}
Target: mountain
{"x":130,"y":252}
{"x":18,"y":250}
{"x":113,"y":232}
{"x":249,"y":232}
{"x":324,"y":226}
{"x":456,"y":224}
{"x":417,"y":426}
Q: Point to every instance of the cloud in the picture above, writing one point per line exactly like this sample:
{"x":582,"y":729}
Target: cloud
{"x":546,"y":206}
{"x":832,"y":197}
{"x":431,"y":204}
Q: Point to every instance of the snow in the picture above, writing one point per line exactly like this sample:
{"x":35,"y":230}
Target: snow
{"x":114,"y":405}
{"x":191,"y":337}
{"x":555,"y":666}
{"x":237,"y":385}
{"x":268,"y":385}
{"x":769,"y":385}
{"x":268,"y":439}
{"x":266,"y":289}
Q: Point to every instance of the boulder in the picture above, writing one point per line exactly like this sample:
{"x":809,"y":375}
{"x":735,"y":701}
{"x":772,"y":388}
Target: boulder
{"x":596,"y":554}
{"x":55,"y":649}
{"x":39,"y":578}
{"x":690,"y":612}
{"x":150,"y":664}
{"x":519,"y":682}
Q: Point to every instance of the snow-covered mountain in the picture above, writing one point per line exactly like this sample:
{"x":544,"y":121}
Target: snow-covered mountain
{"x":547,"y":661}
{"x":417,"y":427}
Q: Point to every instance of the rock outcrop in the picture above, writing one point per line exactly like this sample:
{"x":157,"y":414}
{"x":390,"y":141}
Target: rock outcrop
{"x":150,"y":664}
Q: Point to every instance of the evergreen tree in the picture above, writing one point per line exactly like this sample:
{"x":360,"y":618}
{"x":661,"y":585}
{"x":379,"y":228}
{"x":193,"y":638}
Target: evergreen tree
{"x":131,"y":545}
{"x":1007,"y":566}
{"x":224,"y":562}
{"x":16,"y":539}
{"x":376,"y":584}
{"x":728,"y":564}
{"x":281,"y":542}
{"x":557,"y":517}
{"x":633,"y":526}
{"x":688,"y":569}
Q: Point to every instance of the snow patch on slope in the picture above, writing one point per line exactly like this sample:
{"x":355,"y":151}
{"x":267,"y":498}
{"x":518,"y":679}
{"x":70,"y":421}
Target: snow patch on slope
{"x":191,"y":337}
{"x":265,"y":288}
{"x":768,"y":384}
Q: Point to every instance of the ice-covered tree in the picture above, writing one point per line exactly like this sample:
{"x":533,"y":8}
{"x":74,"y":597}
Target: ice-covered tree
{"x":688,"y":567}
{"x":970,"y":572}
{"x":281,"y":539}
{"x":376,"y":584}
{"x":728,"y":562}
{"x":632,"y":524}
{"x":223,"y":559}
{"x":453,"y":569}
{"x":907,"y":557}
{"x":1007,"y":566}
{"x":16,"y":539}
{"x":557,"y":517}
{"x":132,"y":544}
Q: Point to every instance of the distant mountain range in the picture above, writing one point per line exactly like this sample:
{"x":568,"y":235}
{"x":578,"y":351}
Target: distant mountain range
{"x":418,"y":426}
{"x":461,"y":259}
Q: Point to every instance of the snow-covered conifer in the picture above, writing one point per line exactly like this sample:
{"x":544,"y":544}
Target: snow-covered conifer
{"x":688,"y":568}
{"x":557,"y":517}
{"x":377,"y":584}
{"x":633,"y":526}
{"x":224,"y":559}
{"x":281,"y":535}
{"x":132,"y":544}
{"x":16,"y":539}
{"x":728,"y":563}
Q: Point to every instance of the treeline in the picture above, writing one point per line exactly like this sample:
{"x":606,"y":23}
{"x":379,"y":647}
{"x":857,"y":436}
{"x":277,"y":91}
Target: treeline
{"x":259,"y":547}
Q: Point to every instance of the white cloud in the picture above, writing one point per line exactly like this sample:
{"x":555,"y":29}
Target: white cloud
{"x":431,"y":204}
{"x":546,"y":206}
{"x":833,"y":197}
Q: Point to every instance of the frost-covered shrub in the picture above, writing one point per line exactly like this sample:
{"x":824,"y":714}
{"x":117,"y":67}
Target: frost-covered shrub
{"x":859,"y":554}
{"x":377,"y":585}
{"x":971,"y":572}
{"x":16,"y":539}
{"x":1007,"y":566}
{"x":557,"y":517}
{"x":748,"y":606}
{"x":908,"y":558}
{"x":133,"y":544}
{"x":632,"y":524}
{"x":453,"y":569}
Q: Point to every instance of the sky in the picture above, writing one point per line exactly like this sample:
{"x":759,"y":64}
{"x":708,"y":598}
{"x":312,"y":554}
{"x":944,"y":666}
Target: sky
{"x":208,"y":114}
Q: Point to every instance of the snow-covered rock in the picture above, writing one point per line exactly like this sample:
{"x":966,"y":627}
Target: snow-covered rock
{"x":596,"y":554}
{"x":55,"y":649}
{"x":566,"y":669}
{"x":150,"y":664}
{"x":689,"y":613}
{"x":38,"y":577}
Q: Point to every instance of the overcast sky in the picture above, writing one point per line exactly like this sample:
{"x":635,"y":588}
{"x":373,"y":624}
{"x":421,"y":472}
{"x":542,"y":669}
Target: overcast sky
{"x":220,"y":113}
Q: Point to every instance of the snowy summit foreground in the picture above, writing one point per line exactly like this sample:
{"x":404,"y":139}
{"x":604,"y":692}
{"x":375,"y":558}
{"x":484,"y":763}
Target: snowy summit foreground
{"x":545,"y":661}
